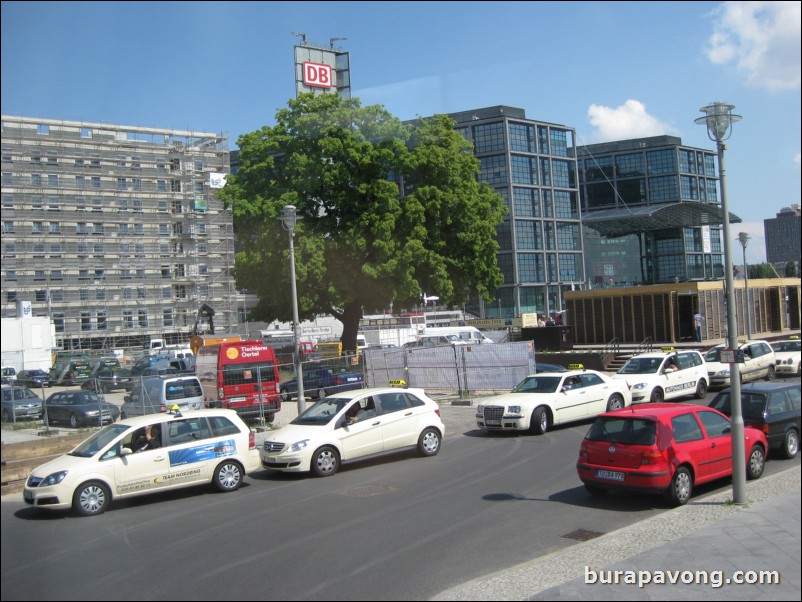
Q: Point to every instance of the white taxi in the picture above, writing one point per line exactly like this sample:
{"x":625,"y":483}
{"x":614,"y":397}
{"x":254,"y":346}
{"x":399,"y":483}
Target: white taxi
{"x":758,"y":362}
{"x":547,"y":398}
{"x":665,"y":374}
{"x":119,"y":461}
{"x":352,"y":425}
{"x":789,"y":356}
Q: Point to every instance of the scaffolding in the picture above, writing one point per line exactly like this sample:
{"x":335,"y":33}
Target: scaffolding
{"x":114,"y":232}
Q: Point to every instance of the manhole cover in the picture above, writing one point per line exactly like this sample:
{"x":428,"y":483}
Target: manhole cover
{"x":367,"y":491}
{"x":582,"y":535}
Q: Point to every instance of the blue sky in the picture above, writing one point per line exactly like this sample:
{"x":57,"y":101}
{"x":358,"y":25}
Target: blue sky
{"x":612,"y":70}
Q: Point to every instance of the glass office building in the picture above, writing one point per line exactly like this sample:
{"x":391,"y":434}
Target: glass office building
{"x":530,"y":164}
{"x":650,"y":211}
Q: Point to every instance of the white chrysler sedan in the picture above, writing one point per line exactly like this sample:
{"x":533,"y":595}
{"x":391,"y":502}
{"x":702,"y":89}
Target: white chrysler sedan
{"x":542,"y":400}
{"x":352,"y":425}
{"x":141,"y":455}
{"x":789,"y":357}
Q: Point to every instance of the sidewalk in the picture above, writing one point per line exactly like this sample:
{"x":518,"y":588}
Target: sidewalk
{"x":707,"y":536}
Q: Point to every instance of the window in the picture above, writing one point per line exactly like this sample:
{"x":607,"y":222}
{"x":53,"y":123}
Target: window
{"x":142,"y":317}
{"x":527,"y":202}
{"x":715,"y":425}
{"x":628,"y":166}
{"x":128,"y":318}
{"x":80,"y":182}
{"x":52,"y":180}
{"x":122,"y":184}
{"x":663,"y":161}
{"x":493,"y":170}
{"x":83,"y":294}
{"x":489,"y":138}
{"x":522,"y":138}
{"x":95,"y":182}
{"x":524,"y":169}
{"x":98,"y":228}
{"x":686,"y":428}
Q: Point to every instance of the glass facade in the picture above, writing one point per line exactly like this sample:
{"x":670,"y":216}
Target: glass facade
{"x":531,"y":164}
{"x":635,"y":174}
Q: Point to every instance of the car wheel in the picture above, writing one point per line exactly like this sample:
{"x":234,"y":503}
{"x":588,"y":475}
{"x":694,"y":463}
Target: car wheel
{"x":701,"y":389}
{"x":74,"y":421}
{"x":325,"y":462}
{"x":616,"y":402}
{"x":657,"y":395}
{"x":91,"y":498}
{"x":228,"y":476}
{"x":770,"y":373}
{"x":681,"y":487}
{"x":595,"y":489}
{"x":791,"y":444}
{"x":539,"y":423}
{"x":429,"y":442}
{"x":757,"y":462}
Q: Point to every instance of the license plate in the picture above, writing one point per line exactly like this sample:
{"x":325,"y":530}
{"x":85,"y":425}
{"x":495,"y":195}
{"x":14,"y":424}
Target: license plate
{"x":493,"y":422}
{"x":236,"y":399}
{"x":609,"y":474}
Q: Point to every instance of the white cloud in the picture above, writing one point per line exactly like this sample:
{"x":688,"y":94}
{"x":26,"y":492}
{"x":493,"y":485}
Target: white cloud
{"x":627,"y":121}
{"x":797,"y":158}
{"x":763,"y":38}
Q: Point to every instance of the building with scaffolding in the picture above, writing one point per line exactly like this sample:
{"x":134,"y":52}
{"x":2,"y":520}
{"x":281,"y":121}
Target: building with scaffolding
{"x":115,"y":232}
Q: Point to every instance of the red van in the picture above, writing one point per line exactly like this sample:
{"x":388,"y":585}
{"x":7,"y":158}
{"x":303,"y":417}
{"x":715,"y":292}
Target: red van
{"x":241,"y":376}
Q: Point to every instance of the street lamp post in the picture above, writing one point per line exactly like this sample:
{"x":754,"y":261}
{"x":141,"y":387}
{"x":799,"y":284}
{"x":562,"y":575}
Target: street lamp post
{"x":719,"y":119}
{"x":288,"y":219}
{"x":743,"y":238}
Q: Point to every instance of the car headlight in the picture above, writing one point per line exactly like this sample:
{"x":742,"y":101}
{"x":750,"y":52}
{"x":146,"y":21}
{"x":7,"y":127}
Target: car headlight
{"x":514,"y":409}
{"x":299,"y":445}
{"x":480,"y":410}
{"x":92,"y":412}
{"x":639,"y":386}
{"x":53,"y":479}
{"x":724,"y":373}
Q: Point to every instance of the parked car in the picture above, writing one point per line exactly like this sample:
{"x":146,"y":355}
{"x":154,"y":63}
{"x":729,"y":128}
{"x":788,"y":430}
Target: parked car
{"x":20,"y":403}
{"x":107,"y":381}
{"x":320,"y":381}
{"x":773,"y":408}
{"x":789,"y":357}
{"x":9,"y":375}
{"x":71,"y":371}
{"x":207,"y":446}
{"x":759,"y":362}
{"x":543,"y":400}
{"x":353,"y":425}
{"x":79,"y":408}
{"x":105,"y":363}
{"x":544,"y":367}
{"x":663,"y":448}
{"x":159,"y":393}
{"x":36,"y":379}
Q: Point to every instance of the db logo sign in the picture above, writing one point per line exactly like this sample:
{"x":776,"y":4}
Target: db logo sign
{"x":318,"y":75}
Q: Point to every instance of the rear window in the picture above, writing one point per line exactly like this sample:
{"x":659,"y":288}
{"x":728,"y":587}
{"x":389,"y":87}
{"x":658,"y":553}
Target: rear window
{"x":642,"y":365}
{"x":182,"y":389}
{"x":242,"y":374}
{"x":629,"y":431}
{"x":752,"y":405}
{"x":223,"y":426}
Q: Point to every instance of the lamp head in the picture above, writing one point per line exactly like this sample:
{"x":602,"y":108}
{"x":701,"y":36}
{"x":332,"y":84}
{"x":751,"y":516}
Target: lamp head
{"x":718,"y":119}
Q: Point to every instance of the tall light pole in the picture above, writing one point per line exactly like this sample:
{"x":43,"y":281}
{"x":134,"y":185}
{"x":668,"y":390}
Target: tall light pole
{"x":743,"y":238}
{"x":288,"y":219}
{"x":719,"y":119}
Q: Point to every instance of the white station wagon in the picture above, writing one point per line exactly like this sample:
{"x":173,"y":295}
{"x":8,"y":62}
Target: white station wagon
{"x":758,"y":362}
{"x":664,"y":375}
{"x":205,"y":446}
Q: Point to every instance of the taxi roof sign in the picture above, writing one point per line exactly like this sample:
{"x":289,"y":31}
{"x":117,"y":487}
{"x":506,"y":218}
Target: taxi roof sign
{"x":667,"y":349}
{"x":576,"y":366}
{"x":398,"y":383}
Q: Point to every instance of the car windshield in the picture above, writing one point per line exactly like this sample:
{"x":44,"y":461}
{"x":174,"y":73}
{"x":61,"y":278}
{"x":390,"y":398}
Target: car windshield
{"x":713,"y":355}
{"x":641,"y":365}
{"x":99,"y":440}
{"x":788,"y":346}
{"x":627,"y":431}
{"x":752,"y":405}
{"x":538,"y":384}
{"x":323,"y":411}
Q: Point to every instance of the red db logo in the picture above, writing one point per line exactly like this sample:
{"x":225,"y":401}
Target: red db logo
{"x":317,"y":75}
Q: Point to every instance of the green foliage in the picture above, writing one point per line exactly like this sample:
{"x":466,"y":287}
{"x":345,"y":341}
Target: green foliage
{"x":361,"y":244}
{"x":762,"y":270}
{"x":790,"y":270}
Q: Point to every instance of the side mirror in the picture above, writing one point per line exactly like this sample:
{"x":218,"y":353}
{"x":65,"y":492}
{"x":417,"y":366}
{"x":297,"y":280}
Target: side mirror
{"x":126,"y":451}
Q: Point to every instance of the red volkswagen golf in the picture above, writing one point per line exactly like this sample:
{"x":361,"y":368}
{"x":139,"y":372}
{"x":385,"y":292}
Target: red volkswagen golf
{"x":663,"y":448}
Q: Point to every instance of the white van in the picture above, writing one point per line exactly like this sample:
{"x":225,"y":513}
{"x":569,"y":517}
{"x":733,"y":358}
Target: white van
{"x":468,"y":335}
{"x":160,"y":393}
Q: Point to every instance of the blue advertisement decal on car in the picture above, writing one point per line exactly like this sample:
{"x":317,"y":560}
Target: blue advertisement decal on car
{"x":201,"y":453}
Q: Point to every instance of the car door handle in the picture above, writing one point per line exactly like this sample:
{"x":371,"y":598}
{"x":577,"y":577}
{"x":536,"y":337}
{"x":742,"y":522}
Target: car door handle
{"x":158,"y":459}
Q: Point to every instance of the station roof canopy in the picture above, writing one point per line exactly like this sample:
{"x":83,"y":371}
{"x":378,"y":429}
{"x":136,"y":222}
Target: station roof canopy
{"x":620,"y":222}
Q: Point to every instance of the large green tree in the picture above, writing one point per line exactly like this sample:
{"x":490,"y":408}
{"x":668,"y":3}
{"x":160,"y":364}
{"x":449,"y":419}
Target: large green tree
{"x":388,"y":210}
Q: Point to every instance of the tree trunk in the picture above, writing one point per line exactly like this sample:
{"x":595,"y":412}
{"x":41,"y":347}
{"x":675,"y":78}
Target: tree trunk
{"x":350,"y":318}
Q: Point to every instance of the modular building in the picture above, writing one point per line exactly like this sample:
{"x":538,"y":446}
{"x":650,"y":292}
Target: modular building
{"x":27,"y":343}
